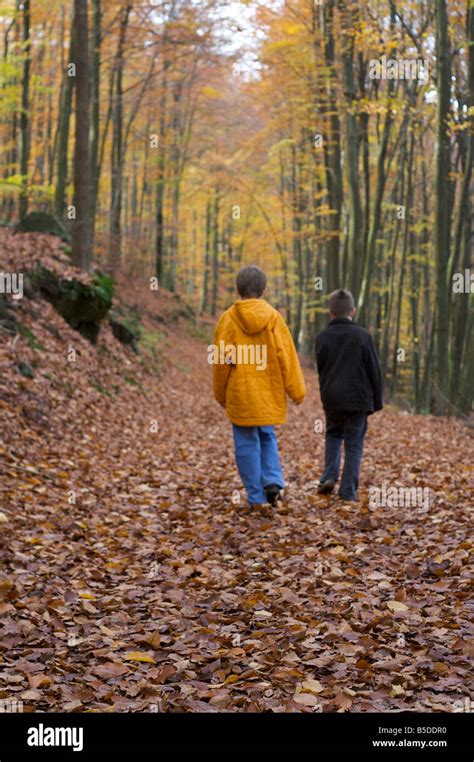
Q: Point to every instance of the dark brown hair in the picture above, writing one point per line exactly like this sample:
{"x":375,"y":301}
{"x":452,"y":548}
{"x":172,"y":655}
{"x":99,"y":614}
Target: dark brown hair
{"x":251,"y":282}
{"x":341,"y":303}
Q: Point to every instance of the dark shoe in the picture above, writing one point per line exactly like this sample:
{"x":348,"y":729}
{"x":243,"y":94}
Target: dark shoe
{"x":345,"y":499}
{"x":274,"y":494}
{"x":326,"y":487}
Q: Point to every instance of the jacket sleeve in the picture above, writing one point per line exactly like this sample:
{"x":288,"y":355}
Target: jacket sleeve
{"x":220,"y":372}
{"x":321,"y":353}
{"x":374,"y":373}
{"x":289,"y":362}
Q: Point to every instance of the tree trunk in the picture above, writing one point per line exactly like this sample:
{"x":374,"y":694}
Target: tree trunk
{"x":462,"y":250}
{"x":64,"y":119}
{"x":12,"y":155}
{"x":297,"y":247}
{"x":390,"y":269}
{"x":62,"y":64}
{"x":117,"y":153}
{"x":356,"y":220}
{"x":215,"y":251}
{"x":94,"y":130}
{"x":24,"y":115}
{"x":364,"y":305}
{"x":442,"y":225}
{"x":207,"y":256}
{"x":80,"y":227}
{"x":408,"y":208}
{"x":160,"y":183}
{"x":332,"y":151}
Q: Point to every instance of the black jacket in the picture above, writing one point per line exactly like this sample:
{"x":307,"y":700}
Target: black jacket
{"x":350,"y":378}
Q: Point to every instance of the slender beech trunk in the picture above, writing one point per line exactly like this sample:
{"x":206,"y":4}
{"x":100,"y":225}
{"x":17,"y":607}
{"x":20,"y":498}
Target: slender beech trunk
{"x":215,"y":252}
{"x":442,"y":222}
{"x":117,"y":150}
{"x":297,"y":243}
{"x":462,"y":250}
{"x":25,"y":107}
{"x":64,"y":120}
{"x":95,"y":108}
{"x":80,"y":226}
{"x":401,"y":283}
{"x":332,"y":149}
{"x":207,"y":259}
{"x":356,"y":220}
{"x":160,"y":183}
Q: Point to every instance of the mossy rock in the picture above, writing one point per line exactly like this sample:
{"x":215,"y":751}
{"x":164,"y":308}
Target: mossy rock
{"x":43,"y":222}
{"x":83,"y":306}
{"x":124,"y":334}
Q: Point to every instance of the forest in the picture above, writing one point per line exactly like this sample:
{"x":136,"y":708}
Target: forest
{"x":331,"y":142}
{"x":160,"y":159}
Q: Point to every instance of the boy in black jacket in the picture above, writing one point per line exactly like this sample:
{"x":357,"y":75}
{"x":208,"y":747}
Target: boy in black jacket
{"x":350,"y":381}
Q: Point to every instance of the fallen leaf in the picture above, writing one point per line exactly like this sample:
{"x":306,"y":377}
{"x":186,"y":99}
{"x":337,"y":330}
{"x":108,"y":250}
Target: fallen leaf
{"x":312,"y":686}
{"x":397,"y":606}
{"x":110,"y":669}
{"x":139,"y":656}
{"x":307,"y":699}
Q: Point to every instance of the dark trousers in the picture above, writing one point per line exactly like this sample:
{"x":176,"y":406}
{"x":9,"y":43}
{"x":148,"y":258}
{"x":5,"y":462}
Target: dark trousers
{"x":349,"y":428}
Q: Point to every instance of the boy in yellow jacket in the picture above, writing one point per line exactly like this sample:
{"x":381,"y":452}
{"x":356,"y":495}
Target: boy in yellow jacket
{"x":255,"y":366}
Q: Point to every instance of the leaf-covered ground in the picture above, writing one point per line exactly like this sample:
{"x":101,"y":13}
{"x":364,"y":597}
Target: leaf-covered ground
{"x":131,"y":580}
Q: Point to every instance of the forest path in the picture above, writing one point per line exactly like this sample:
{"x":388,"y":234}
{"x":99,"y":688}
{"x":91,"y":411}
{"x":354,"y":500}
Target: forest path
{"x":150,"y":591}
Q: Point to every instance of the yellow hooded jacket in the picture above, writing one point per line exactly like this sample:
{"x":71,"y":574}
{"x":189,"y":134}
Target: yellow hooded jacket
{"x":254,"y":393}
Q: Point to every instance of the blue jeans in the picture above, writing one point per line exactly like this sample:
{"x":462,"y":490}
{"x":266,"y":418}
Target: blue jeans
{"x":349,"y":428}
{"x":256,"y":454}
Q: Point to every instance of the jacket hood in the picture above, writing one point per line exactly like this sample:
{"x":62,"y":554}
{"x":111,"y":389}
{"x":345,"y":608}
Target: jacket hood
{"x":251,"y":315}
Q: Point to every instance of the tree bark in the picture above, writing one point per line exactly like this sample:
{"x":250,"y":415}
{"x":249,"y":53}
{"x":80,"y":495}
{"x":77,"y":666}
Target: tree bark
{"x":160,"y":183}
{"x":24,"y":115}
{"x":462,"y":251}
{"x":442,"y":225}
{"x":332,"y":151}
{"x":356,"y":221}
{"x":80,"y":227}
{"x":207,"y":258}
{"x":94,"y":127}
{"x":64,"y":119}
{"x":117,"y":153}
{"x":215,"y":251}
